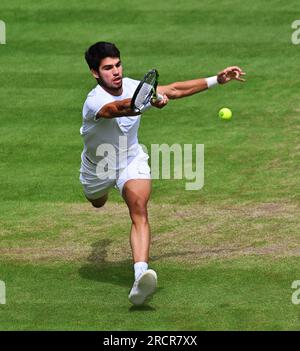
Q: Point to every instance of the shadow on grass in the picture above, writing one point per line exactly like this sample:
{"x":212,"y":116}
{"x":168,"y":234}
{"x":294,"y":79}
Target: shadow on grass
{"x":119,"y":273}
{"x":98,"y":269}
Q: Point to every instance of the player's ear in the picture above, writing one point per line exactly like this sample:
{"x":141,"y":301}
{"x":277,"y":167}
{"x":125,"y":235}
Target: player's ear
{"x":95,"y":73}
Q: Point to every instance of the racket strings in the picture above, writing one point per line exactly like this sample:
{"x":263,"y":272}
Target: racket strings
{"x":144,"y":95}
{"x":146,"y":90}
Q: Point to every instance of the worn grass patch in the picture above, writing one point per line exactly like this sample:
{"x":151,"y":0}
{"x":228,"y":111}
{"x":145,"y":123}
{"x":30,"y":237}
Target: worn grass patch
{"x":70,"y":232}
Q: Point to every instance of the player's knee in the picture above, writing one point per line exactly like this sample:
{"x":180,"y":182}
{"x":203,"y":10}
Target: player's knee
{"x":98,"y":204}
{"x":139,"y":209}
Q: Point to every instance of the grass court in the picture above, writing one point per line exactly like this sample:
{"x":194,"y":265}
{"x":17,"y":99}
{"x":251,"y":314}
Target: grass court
{"x":226,"y":255}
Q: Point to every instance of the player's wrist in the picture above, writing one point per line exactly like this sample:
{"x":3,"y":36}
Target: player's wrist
{"x":212,"y":81}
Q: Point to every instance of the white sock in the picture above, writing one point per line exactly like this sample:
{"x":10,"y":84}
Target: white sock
{"x":139,"y":268}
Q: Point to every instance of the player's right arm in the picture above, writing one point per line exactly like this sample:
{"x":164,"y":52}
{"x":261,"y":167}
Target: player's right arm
{"x":116,"y":109}
{"x":122,"y":108}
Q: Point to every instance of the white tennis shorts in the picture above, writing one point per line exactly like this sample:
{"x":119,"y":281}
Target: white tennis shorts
{"x":95,"y":187}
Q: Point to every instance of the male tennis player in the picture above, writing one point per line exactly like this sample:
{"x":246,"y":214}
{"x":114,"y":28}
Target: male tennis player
{"x":107,"y":116}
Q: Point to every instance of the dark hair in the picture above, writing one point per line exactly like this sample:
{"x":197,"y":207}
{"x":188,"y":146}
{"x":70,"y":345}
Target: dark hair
{"x":99,"y":51}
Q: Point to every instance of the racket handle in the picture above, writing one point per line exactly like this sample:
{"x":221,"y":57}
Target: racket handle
{"x":159,"y":97}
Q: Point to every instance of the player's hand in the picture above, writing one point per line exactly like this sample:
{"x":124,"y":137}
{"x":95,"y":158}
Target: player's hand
{"x":160,"y":103}
{"x":231,"y":73}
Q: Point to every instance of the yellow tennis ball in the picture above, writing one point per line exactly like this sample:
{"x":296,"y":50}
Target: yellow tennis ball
{"x":225,"y":113}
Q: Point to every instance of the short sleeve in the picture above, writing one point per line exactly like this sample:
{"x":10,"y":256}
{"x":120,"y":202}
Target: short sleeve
{"x":93,"y":105}
{"x":91,"y":108}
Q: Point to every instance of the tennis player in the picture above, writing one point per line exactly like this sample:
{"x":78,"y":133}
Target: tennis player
{"x":107,"y":117}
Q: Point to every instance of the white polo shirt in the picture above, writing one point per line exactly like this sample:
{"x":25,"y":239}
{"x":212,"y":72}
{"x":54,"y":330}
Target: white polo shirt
{"x":107,"y":130}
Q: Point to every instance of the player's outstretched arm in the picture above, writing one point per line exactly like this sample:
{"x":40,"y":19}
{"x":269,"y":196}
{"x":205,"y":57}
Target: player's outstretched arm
{"x":115,"y":109}
{"x":179,"y":90}
{"x":123,"y":108}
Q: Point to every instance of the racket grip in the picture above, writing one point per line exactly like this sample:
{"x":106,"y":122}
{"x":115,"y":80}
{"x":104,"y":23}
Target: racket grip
{"x":159,"y":97}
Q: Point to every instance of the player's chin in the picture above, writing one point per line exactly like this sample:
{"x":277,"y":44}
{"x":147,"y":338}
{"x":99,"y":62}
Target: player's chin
{"x":117,"y":83}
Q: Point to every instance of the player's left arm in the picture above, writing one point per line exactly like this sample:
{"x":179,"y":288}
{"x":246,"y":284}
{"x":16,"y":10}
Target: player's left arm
{"x":179,"y":90}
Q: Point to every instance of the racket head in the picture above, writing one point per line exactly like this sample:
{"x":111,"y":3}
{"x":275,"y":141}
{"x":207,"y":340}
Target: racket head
{"x":145,"y":90}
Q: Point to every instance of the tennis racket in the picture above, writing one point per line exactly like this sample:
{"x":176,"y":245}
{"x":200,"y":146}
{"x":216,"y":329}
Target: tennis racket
{"x":145,"y":91}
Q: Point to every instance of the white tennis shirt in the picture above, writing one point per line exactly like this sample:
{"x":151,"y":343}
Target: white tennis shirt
{"x":107,"y":130}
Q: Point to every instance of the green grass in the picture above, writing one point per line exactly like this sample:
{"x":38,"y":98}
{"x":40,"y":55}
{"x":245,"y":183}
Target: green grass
{"x":230,"y":249}
{"x":214,"y":296}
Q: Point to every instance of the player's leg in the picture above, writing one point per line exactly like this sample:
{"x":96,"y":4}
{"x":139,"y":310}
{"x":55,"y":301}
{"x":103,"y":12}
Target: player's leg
{"x":97,"y":193}
{"x":136,"y":193}
{"x":99,"y":202}
{"x":134,"y":183}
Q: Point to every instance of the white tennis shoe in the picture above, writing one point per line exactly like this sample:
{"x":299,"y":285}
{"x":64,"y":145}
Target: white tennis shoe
{"x":143,"y":287}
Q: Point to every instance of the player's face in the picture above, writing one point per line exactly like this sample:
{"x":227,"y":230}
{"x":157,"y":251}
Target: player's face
{"x":110,"y":73}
